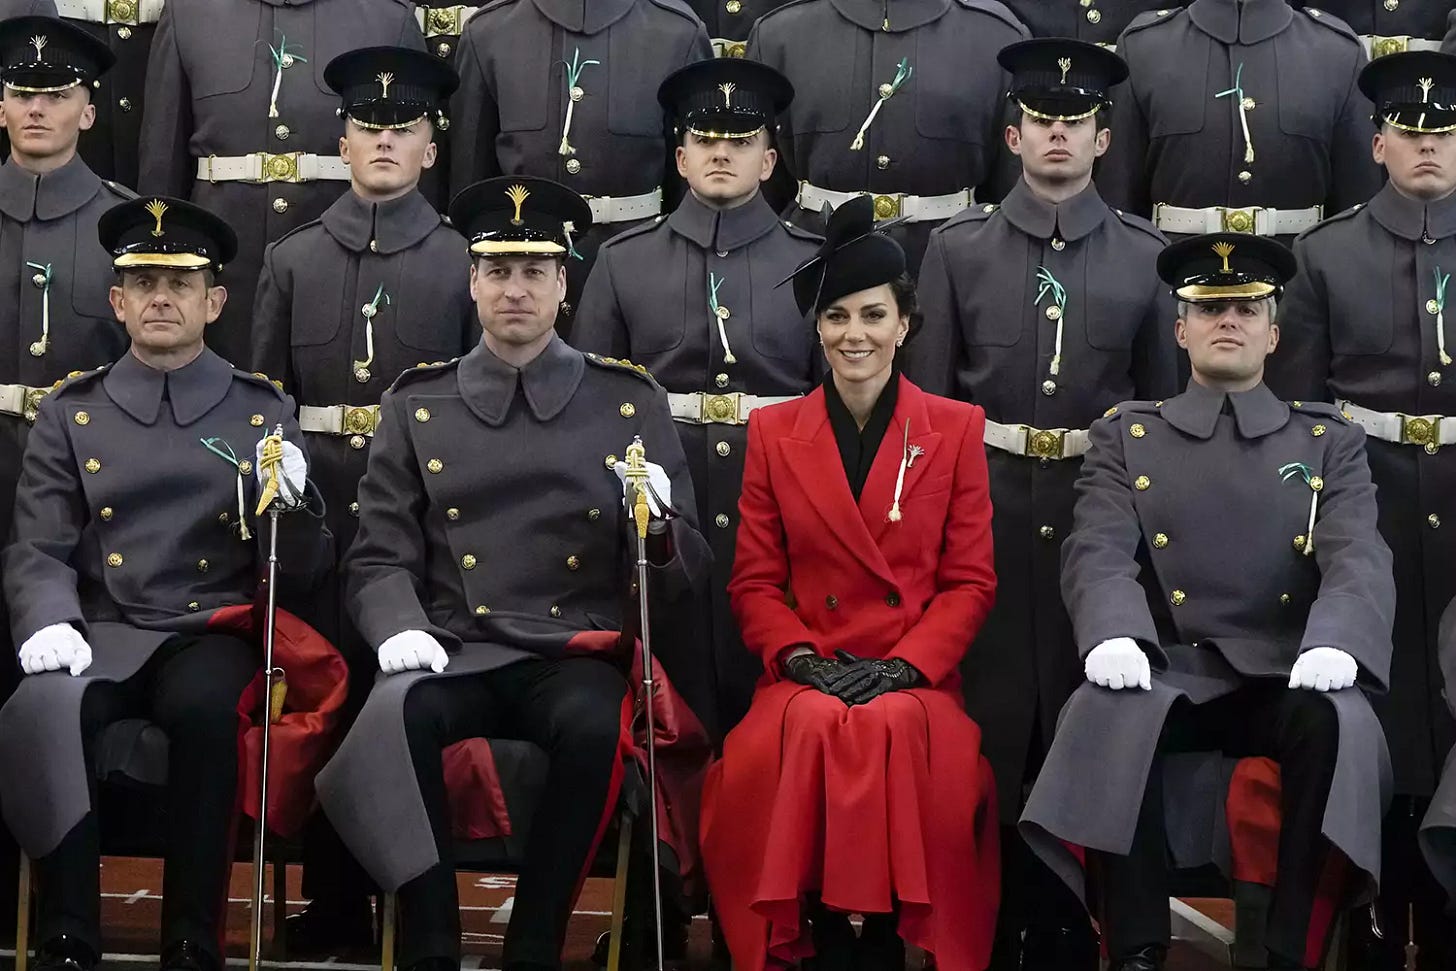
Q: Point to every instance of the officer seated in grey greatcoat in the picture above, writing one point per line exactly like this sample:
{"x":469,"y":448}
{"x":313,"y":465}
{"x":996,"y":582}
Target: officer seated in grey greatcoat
{"x":136,"y":522}
{"x":1231,"y":596}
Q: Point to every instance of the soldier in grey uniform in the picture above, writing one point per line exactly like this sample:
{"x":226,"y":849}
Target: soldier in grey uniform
{"x":1044,"y":312}
{"x":728,"y":21}
{"x":240,"y":120}
{"x":490,"y":572}
{"x":692,"y":298}
{"x":346,"y":303}
{"x":1095,"y":21}
{"x":564,"y":89}
{"x":442,"y":25}
{"x":1231,"y":596}
{"x":113,"y":585}
{"x":1240,"y":116}
{"x":1364,"y":326}
{"x":1391,"y":26}
{"x":910,"y":111}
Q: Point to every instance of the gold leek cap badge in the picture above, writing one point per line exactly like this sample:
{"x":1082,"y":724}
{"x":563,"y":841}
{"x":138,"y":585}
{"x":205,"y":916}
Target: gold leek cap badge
{"x":1065,"y":64}
{"x":518,"y":194}
{"x":157,"y":209}
{"x":728,"y":90}
{"x":39,"y":42}
{"x":385,"y":80}
{"x":1223,"y":251}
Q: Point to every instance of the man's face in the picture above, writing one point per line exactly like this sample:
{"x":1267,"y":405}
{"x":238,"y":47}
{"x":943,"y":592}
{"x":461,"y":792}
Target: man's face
{"x":387,"y":161}
{"x":1058,"y":151}
{"x":725,"y":171}
{"x":1228,"y":342}
{"x":517,"y":297}
{"x":165,"y":309}
{"x":43,"y":126}
{"x":1422,"y":165}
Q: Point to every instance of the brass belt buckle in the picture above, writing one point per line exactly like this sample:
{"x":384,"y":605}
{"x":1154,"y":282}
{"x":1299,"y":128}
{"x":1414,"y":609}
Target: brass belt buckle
{"x":1421,"y":431}
{"x":735,"y":48}
{"x":121,"y":12}
{"x":1238,"y":220}
{"x":888,"y":206}
{"x":1381,"y":46}
{"x":443,"y":21}
{"x":361,"y":420}
{"x":33,"y":397}
{"x":1044,"y":443}
{"x":721,"y":409}
{"x":279,"y":168}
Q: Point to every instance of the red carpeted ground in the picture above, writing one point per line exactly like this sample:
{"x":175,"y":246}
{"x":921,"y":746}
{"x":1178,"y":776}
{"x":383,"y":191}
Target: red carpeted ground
{"x":132,"y":901}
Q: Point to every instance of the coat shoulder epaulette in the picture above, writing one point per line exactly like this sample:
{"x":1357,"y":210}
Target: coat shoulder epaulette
{"x":117,"y":189}
{"x":643,"y":229}
{"x":1327,"y":19}
{"x":678,"y":7}
{"x":974,"y":214}
{"x":1142,"y":225}
{"x":622,"y":365}
{"x":1321,"y":410}
{"x":1328,"y":221}
{"x":783,"y":11}
{"x":1147,"y":19}
{"x":260,"y":379}
{"x":311,"y":224}
{"x":998,"y":10}
{"x":1118,"y":411}
{"x":799,"y":232}
{"x":77,"y":379}
{"x":423,"y":371}
{"x":489,"y":7}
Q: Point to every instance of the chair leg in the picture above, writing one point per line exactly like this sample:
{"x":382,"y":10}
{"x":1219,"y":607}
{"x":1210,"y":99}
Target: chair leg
{"x":22,"y":916}
{"x":278,"y":943}
{"x":386,"y":933}
{"x":619,"y":892}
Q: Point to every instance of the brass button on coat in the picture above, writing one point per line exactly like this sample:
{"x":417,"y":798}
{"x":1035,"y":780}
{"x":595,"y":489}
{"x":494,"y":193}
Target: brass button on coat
{"x":1053,"y":312}
{"x":1059,"y":245}
{"x":1048,"y":387}
{"x":721,"y":380}
{"x":721,"y":520}
{"x":93,"y":466}
{"x":194,"y":606}
{"x":1047,"y":532}
{"x":1160,"y":541}
{"x":245,"y":467}
{"x":106,"y":514}
{"x":573,"y":166}
{"x":422,"y":414}
{"x":357,"y":441}
{"x":83,"y":418}
{"x":482,"y":610}
{"x":1433,"y":521}
{"x":280,"y":206}
{"x":1434,"y":379}
{"x":435,"y":466}
{"x":555,"y":611}
{"x":573,"y":563}
{"x":256,"y":421}
{"x":452,"y":514}
{"x":724,"y":448}
{"x":628,"y":409}
{"x":354,"y":509}
{"x":468,"y":561}
{"x":593,"y":514}
{"x":114,"y":559}
{"x":1142,"y":483}
{"x":1137,"y":430}
{"x":202,"y":566}
{"x":1178,"y":598}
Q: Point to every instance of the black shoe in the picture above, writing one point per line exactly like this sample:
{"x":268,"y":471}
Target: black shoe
{"x":187,"y":956}
{"x":674,"y":944}
{"x":834,"y":942}
{"x":64,"y":953}
{"x":323,"y":930}
{"x":1149,"y":958}
{"x":880,"y":945}
{"x":1060,"y":949}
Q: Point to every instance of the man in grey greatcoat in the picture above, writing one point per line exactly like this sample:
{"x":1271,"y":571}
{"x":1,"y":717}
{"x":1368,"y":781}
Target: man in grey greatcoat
{"x":239,"y":119}
{"x":346,"y":303}
{"x":1363,"y":325}
{"x":490,"y":572}
{"x":1391,"y":26}
{"x":1231,"y":596}
{"x":1238,"y":116}
{"x":566,"y":90}
{"x":1043,"y":311}
{"x":692,"y":297}
{"x":114,"y":584}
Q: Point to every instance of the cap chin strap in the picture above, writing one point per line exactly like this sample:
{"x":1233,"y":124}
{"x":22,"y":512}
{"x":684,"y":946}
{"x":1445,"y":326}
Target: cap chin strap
{"x":1046,"y":117}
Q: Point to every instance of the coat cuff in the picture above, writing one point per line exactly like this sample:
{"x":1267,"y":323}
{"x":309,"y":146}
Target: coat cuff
{"x":388,"y":606}
{"x":1114,"y":608}
{"x":1352,"y":625}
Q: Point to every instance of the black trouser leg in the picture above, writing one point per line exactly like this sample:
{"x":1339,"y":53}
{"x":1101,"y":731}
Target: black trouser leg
{"x":195,"y":700}
{"x":1133,"y":890}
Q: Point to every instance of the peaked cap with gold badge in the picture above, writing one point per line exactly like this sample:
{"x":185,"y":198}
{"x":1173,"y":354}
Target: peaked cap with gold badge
{"x":1059,"y":79}
{"x":1413,"y":91}
{"x":724,"y":98}
{"x":166,"y":233}
{"x":391,"y":87}
{"x":518,"y":215}
{"x":40,"y":55}
{"x":1226,"y":266}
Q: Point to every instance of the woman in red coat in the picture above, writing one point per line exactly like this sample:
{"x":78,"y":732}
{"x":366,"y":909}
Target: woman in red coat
{"x":855,"y":784}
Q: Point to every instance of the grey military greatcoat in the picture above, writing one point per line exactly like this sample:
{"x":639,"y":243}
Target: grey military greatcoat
{"x":940,"y":130}
{"x":1390,"y":20}
{"x":1179,"y":136}
{"x":490,"y":517}
{"x":1191,"y":527}
{"x":389,"y":280}
{"x":126,"y":527}
{"x":1438,"y":829}
{"x":989,"y":336}
{"x":209,"y":92}
{"x":650,"y":298}
{"x":1357,"y":324}
{"x":442,"y":25}
{"x":525,"y":64}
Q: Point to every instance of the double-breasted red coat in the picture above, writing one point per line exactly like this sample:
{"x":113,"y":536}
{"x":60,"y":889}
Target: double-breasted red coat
{"x":888,"y":801}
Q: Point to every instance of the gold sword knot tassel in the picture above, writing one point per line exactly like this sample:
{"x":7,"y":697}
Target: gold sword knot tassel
{"x":637,"y":476}
{"x":271,"y":464}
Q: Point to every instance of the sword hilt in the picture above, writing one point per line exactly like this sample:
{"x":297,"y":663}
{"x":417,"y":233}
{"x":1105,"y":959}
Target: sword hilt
{"x":637,"y":476}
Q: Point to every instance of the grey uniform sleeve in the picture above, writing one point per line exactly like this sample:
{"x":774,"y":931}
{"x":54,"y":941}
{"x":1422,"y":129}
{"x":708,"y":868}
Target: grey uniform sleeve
{"x":273,"y":324}
{"x":1299,"y":368}
{"x":166,"y":166}
{"x":384,"y":572}
{"x":599,"y":327}
{"x":932,"y":353}
{"x":1355,"y":608}
{"x":1122,"y":175}
{"x":1099,"y":559}
{"x":1155,"y":349}
{"x":475,"y":120}
{"x":50,"y":514}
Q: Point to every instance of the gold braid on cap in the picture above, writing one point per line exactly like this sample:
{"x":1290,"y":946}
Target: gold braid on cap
{"x":157,"y":209}
{"x":518,"y":194}
{"x":1223,"y":251}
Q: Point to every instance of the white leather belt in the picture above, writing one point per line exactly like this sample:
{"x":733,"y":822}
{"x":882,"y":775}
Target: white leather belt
{"x":130,"y":12}
{"x":261,"y":167}
{"x":723,"y":47}
{"x":1430,"y":431}
{"x":707,"y":408}
{"x":21,"y":400}
{"x":444,"y":21}
{"x":890,"y":205}
{"x":1377,"y":46}
{"x":1254,"y":220}
{"x":624,"y":209}
{"x":339,"y":419}
{"x":1037,"y":443}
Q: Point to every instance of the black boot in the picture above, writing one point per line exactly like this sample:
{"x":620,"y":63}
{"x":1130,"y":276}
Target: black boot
{"x":187,"y":956}
{"x":880,"y":946}
{"x":64,"y":953}
{"x":834,"y":942}
{"x":324,"y":929}
{"x":1060,"y":949}
{"x":1148,"y":958}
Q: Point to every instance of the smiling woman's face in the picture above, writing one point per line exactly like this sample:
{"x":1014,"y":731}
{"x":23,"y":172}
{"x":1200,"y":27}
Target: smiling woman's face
{"x":1228,"y":342}
{"x":860,"y":332}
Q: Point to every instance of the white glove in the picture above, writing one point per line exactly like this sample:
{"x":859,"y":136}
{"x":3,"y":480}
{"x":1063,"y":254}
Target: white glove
{"x":1119,"y":663}
{"x":656,"y":478}
{"x":1324,"y":669}
{"x":291,"y":490}
{"x":412,"y":650}
{"x":53,"y":648}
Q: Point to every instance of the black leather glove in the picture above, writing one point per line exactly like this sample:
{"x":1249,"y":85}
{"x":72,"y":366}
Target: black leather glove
{"x":815,"y":671}
{"x":865,"y":679}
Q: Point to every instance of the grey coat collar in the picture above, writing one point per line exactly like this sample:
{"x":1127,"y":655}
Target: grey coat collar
{"x":723,"y":230}
{"x":489,"y":384}
{"x":1195,"y":412}
{"x":193,"y":390}
{"x":24,"y":196}
{"x":1241,"y":21}
{"x":392,"y":226}
{"x":584,"y":16}
{"x":1412,"y":219}
{"x":1070,"y":220}
{"x":902,"y":15}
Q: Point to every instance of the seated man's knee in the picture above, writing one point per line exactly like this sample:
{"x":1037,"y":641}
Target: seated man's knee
{"x":589,"y":713}
{"x":424,"y":707}
{"x":1314,"y":726}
